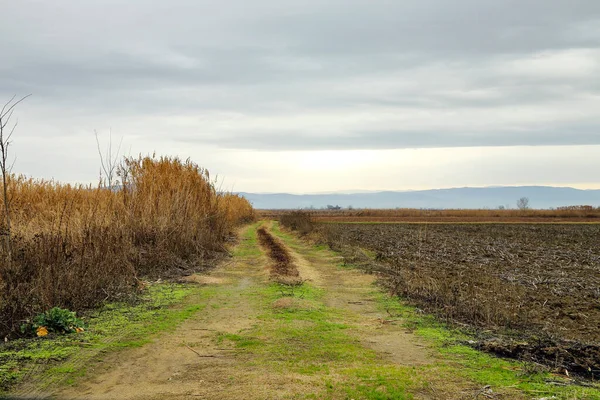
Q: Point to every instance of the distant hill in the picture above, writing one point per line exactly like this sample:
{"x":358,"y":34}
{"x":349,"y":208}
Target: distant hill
{"x":488,"y":197}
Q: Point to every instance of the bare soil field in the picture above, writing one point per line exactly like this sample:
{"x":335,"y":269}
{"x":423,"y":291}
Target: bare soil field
{"x":537,"y":284}
{"x":448,"y":219}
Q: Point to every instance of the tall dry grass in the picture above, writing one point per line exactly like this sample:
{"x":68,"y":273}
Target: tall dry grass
{"x":299,"y":221}
{"x":75,"y":246}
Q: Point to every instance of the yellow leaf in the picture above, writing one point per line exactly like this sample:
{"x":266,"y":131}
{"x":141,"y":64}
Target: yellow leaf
{"x":42,"y":331}
{"x":78,"y":330}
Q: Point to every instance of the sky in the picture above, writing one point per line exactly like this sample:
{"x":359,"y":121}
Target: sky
{"x":311,"y":96}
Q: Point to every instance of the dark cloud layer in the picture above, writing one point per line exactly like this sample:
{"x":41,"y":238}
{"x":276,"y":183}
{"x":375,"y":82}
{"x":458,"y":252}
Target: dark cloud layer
{"x":311,"y":74}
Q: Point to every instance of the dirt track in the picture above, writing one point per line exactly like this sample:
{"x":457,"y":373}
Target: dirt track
{"x":217,"y":354}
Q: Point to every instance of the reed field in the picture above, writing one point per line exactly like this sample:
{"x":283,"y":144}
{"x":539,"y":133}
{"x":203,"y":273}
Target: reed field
{"x":76,"y":246}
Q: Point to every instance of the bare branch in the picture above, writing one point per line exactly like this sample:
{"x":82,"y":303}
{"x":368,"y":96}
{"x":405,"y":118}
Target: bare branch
{"x":7,"y":119}
{"x":10,"y":108}
{"x":108,"y":162}
{"x":11,"y":133}
{"x":5,"y":116}
{"x":12,"y":164}
{"x":100,"y":154}
{"x":7,"y":103}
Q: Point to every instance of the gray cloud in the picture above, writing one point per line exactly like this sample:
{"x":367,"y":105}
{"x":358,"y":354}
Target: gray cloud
{"x":399,"y":139}
{"x":304,"y":75}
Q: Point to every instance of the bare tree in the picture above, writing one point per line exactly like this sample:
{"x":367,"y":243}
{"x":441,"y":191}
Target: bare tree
{"x":523,"y":203}
{"x":6,"y":132}
{"x":108,"y":161}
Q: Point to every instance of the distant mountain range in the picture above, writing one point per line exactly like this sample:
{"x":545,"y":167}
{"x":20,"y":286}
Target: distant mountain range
{"x":476,"y":198}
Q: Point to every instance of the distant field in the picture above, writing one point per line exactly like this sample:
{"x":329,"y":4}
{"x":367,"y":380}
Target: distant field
{"x":566,"y":215}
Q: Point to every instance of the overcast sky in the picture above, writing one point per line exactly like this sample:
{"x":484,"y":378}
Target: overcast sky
{"x":309,"y":96}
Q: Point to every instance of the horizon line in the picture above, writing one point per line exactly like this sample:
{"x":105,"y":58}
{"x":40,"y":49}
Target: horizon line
{"x":373,"y":191}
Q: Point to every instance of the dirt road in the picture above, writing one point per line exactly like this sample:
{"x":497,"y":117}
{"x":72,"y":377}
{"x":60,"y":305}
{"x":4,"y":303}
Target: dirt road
{"x":328,"y":338}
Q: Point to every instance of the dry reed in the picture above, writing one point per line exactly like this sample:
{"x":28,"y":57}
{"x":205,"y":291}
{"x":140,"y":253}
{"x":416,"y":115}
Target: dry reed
{"x":76,"y":246}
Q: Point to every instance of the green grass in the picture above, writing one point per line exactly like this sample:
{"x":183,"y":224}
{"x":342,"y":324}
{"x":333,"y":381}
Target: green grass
{"x":240,"y":341}
{"x":114,"y":326}
{"x":248,"y":246}
{"x":308,"y":334}
{"x":381,"y":382}
{"x":292,"y":241}
{"x":307,"y":338}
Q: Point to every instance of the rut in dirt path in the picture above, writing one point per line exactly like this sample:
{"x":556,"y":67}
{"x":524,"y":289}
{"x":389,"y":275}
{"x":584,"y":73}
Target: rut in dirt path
{"x":282,"y":263}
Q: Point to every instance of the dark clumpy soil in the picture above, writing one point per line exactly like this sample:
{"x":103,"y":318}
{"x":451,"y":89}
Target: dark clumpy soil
{"x":560,"y":355}
{"x":536,"y":280}
{"x":282,"y":261}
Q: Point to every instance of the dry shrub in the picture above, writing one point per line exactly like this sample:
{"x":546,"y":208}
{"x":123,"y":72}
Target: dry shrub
{"x":76,"y":246}
{"x":174,"y":213}
{"x":237,"y":208}
{"x":299,"y":221}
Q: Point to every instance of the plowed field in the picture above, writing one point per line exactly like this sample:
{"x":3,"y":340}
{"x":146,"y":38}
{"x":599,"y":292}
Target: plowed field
{"x":542,"y":281}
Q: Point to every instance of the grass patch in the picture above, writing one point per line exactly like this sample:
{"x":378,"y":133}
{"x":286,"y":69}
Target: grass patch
{"x":248,"y":246}
{"x":276,"y":229}
{"x":382,"y":382}
{"x":304,"y":337}
{"x":291,"y":240}
{"x":114,"y":326}
{"x":240,"y":341}
{"x":308,"y":336}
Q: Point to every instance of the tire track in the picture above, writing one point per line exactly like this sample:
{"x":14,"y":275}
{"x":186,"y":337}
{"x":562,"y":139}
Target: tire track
{"x":282,"y":265}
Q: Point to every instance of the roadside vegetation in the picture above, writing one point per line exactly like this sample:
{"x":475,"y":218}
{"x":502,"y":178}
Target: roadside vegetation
{"x":77,"y":247}
{"x":57,"y":359}
{"x":69,"y":252}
